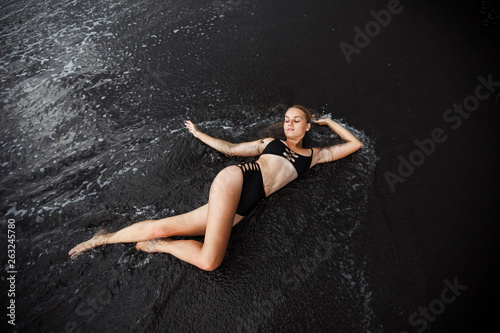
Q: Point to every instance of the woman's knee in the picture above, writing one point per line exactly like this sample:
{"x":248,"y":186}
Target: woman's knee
{"x":211,"y":262}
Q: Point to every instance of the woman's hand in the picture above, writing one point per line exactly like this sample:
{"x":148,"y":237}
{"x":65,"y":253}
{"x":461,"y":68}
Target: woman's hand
{"x":320,"y":121}
{"x":192,"y":128}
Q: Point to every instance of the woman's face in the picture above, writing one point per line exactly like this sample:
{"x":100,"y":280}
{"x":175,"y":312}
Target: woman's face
{"x":295,"y":125}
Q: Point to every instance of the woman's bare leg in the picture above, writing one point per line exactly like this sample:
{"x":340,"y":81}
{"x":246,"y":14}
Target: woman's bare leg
{"x":224,"y":197}
{"x":192,"y":223}
{"x":188,"y":224}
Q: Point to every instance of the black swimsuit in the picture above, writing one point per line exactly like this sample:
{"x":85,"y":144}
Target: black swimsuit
{"x":253,"y":186}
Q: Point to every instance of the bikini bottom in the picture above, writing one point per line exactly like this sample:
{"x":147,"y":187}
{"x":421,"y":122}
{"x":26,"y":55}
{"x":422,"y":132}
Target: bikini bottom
{"x":252,"y":192}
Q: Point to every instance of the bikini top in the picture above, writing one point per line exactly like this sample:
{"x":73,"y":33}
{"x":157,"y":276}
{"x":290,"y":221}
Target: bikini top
{"x":301,"y":163}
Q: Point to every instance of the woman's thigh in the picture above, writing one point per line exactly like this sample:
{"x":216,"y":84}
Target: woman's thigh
{"x":194,"y":223}
{"x":224,"y":197}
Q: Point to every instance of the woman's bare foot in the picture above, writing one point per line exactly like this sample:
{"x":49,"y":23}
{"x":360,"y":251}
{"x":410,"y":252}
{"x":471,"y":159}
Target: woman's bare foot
{"x":153,"y":245}
{"x":98,"y":239}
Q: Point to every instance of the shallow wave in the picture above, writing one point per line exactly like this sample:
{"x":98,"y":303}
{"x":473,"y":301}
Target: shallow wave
{"x":297,"y":240}
{"x":94,"y":138}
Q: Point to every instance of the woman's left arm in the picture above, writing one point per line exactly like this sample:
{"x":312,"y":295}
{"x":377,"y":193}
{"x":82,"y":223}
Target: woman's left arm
{"x":332,"y":153}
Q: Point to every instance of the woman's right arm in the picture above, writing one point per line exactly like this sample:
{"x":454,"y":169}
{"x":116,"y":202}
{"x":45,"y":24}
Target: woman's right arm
{"x":332,"y":153}
{"x":246,"y":149}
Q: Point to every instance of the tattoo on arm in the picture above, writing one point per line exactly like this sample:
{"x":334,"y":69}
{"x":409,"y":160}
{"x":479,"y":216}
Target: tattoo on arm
{"x":259,"y":146}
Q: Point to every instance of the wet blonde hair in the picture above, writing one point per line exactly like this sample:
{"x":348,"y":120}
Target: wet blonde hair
{"x":306,"y":111}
